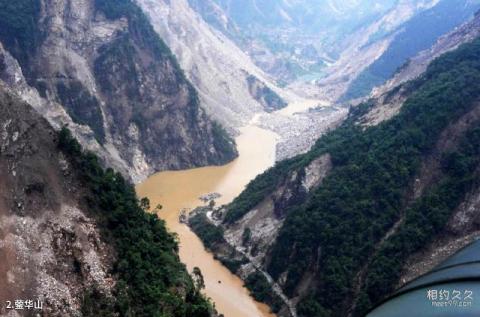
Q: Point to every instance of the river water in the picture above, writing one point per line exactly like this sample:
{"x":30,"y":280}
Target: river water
{"x":175,"y":190}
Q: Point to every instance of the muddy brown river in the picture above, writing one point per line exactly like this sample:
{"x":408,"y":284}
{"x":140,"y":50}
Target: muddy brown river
{"x":176,"y":190}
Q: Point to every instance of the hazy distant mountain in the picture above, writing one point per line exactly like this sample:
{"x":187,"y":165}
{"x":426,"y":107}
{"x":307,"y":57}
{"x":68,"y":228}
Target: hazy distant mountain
{"x":417,"y":34}
{"x":344,"y":48}
{"x":300,"y":40}
{"x":312,"y":17}
{"x":301,"y":12}
{"x":311,"y":30}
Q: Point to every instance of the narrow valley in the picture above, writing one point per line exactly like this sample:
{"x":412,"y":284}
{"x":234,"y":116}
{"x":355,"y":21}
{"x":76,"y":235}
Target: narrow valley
{"x":239,"y":158}
{"x":180,"y":191}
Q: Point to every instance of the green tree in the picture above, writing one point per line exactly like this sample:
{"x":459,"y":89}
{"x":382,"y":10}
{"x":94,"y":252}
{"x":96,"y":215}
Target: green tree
{"x":145,"y":203}
{"x":198,"y":279}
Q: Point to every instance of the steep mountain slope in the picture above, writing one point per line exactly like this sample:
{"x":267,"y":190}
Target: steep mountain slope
{"x":417,"y":34}
{"x":99,"y":66}
{"x":220,"y":71}
{"x":73,"y":236}
{"x":332,"y":230}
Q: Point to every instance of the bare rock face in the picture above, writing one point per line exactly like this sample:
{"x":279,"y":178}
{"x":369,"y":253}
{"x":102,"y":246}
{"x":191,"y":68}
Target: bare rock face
{"x":215,"y":65}
{"x":316,"y":171}
{"x":51,"y":248}
{"x":266,"y":96}
{"x":108,"y":76}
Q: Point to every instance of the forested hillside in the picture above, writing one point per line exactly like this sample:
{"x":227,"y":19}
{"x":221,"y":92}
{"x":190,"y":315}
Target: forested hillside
{"x":352,"y":234}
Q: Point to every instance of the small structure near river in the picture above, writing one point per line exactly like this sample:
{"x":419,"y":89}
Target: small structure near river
{"x":209,"y":197}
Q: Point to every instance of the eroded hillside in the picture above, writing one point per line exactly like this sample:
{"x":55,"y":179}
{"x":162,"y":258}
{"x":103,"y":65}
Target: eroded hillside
{"x":219,"y":69}
{"x":98,"y":66}
{"x":66,"y":231}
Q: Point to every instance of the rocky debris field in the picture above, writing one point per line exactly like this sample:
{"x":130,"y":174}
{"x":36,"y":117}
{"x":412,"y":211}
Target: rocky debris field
{"x":299,"y":131}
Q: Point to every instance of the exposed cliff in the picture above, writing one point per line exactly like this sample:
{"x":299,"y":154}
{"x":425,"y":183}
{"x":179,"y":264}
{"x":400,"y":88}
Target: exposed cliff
{"x":63,"y":240}
{"x":99,"y":66}
{"x":215,"y":65}
{"x":270,"y":100}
